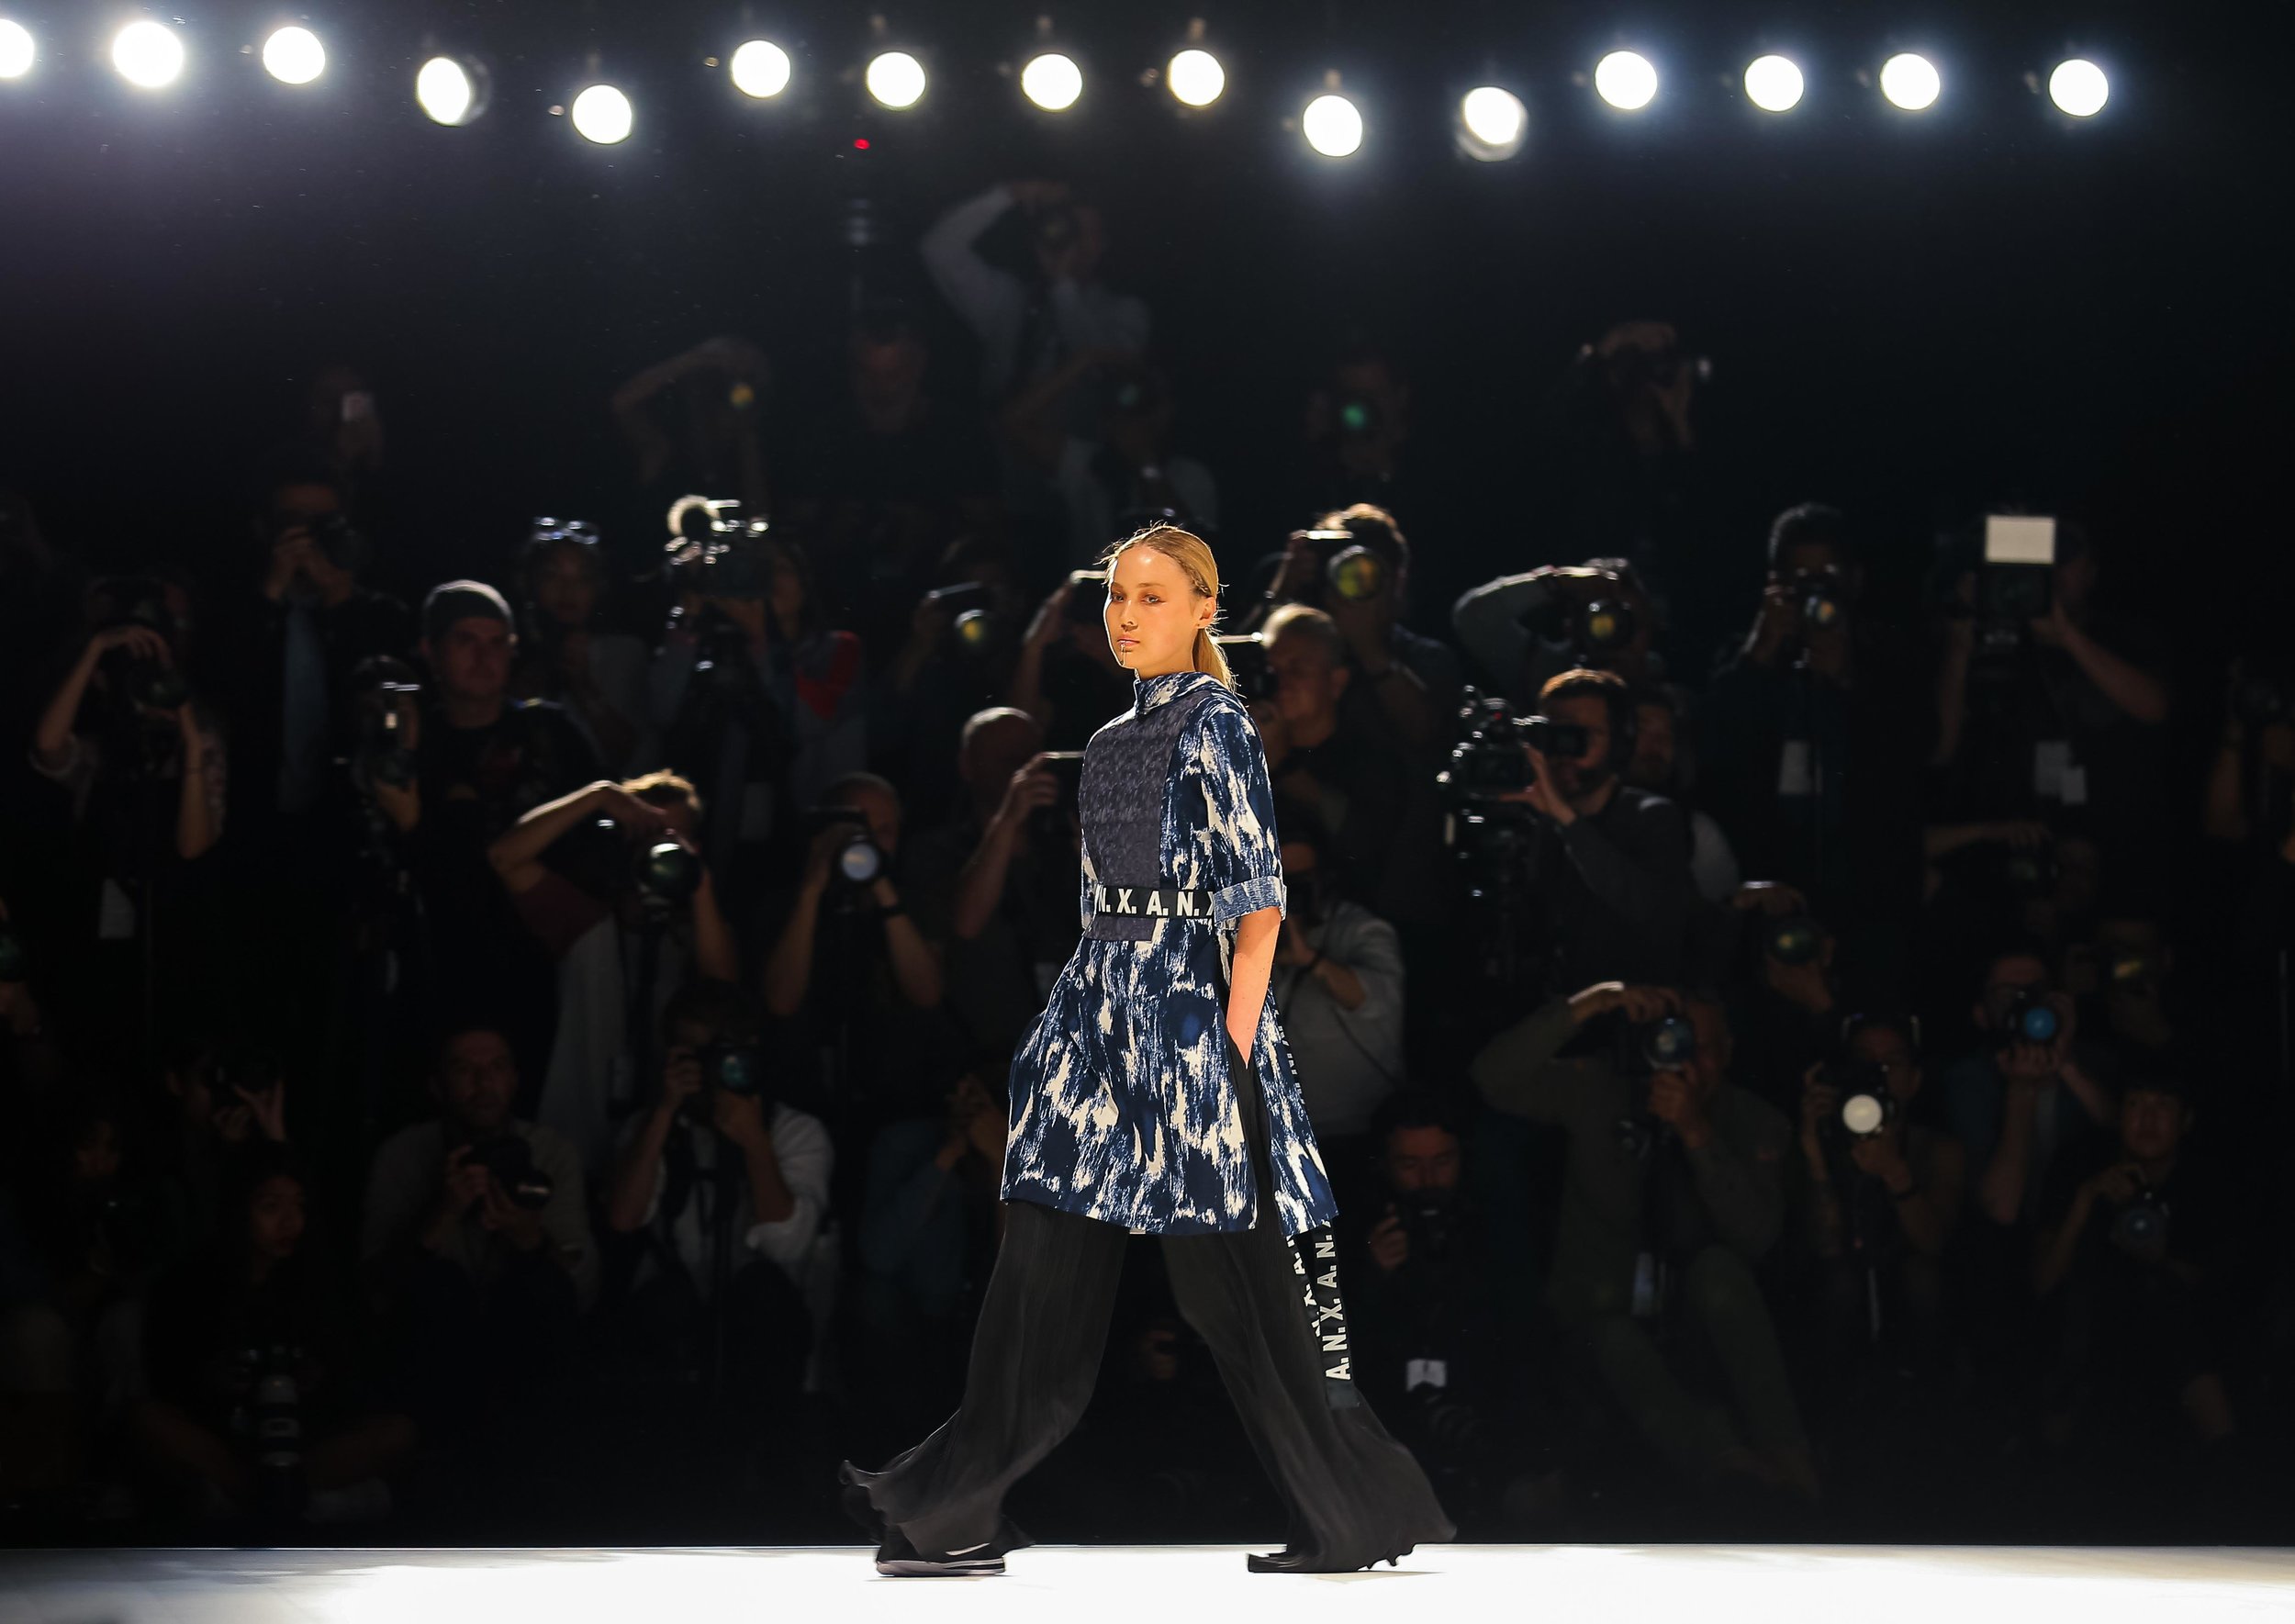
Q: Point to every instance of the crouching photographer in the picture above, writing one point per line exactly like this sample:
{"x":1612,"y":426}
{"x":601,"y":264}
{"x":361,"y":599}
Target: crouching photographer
{"x":1885,"y":1193}
{"x":1673,"y":1192}
{"x":726,"y":1187}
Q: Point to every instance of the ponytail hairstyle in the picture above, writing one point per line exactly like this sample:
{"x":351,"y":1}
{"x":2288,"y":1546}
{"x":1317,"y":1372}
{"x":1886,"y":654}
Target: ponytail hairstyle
{"x":1193,"y":554}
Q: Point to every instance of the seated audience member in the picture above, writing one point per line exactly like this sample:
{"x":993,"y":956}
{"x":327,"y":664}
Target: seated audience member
{"x":570,"y":652}
{"x":259,"y":1399}
{"x":722,"y":1182}
{"x":2134,"y":1263}
{"x":475,"y":1239}
{"x":623,"y":920}
{"x":1338,"y":986}
{"x":1884,"y":1198}
{"x":1673,"y":1195}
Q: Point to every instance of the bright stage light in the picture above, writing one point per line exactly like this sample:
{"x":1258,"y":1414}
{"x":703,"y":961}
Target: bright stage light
{"x":897,"y":79}
{"x":1196,"y":78}
{"x":602,"y":114}
{"x":16,"y":48}
{"x":1491,"y":123}
{"x":760,"y":68}
{"x":148,"y":54}
{"x":2078,"y":87}
{"x":1332,"y":126}
{"x":294,"y":56}
{"x":1910,"y":82}
{"x":451,"y":92}
{"x":1772,"y":84}
{"x":1626,"y":80}
{"x":1052,"y":82}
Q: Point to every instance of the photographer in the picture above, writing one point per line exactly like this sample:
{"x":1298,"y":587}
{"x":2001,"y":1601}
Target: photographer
{"x":2132,"y":1264}
{"x":1067,"y":676}
{"x":720,"y":1160}
{"x":759,"y":701}
{"x":1661,"y":765}
{"x":1002,"y":876}
{"x":1619,"y":894}
{"x":1363,"y":582}
{"x":1338,"y":982}
{"x":1809,"y":733}
{"x":624,"y":919}
{"x":1884,"y":1196}
{"x":847,"y":956}
{"x":1125,"y":466}
{"x":258,"y":1402}
{"x":694,"y":422}
{"x":1523,"y":631}
{"x":1027,"y":326}
{"x":2028,"y":1094}
{"x":568,"y":651}
{"x":1356,"y":443}
{"x":1427,"y":1343}
{"x":1337,"y":769}
{"x":1672,"y":1194}
{"x":476,"y":1239}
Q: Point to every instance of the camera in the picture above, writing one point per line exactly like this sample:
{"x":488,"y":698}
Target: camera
{"x":1054,"y":226}
{"x":1592,"y":628}
{"x":971,"y":607}
{"x":1862,"y":1103}
{"x":338,"y":541}
{"x":2017,"y":584}
{"x":1489,"y":759}
{"x":1047,"y":824}
{"x":1247,"y":658}
{"x":1792,"y":941}
{"x":511,"y":1159}
{"x":1347,"y":567}
{"x":271,"y":1419}
{"x":1637,"y":368}
{"x":2142,"y":1225}
{"x":1644,"y":1048}
{"x":1822,"y":602}
{"x":2029,"y":1018}
{"x":1426,"y":1216}
{"x":1088,"y":597}
{"x":858,"y":859}
{"x":714,"y":554}
{"x":384,"y":751}
{"x":601,"y":857}
{"x":141,"y":600}
{"x":1357,"y":416}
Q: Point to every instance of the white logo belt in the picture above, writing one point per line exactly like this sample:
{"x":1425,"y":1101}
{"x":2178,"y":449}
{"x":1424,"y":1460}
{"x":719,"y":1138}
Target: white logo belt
{"x":1134,"y":901}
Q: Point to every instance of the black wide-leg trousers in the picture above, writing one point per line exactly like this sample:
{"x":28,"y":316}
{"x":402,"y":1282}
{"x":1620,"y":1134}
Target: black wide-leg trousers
{"x":1354,"y":1495}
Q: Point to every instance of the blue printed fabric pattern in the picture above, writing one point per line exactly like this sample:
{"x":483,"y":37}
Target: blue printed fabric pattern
{"x":1123,"y":1107}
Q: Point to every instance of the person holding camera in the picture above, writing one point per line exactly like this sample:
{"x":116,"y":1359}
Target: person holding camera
{"x":1066,"y":677}
{"x":1354,"y":565}
{"x":695,"y":422}
{"x":1027,"y":325}
{"x":1885,"y":1196}
{"x":1338,"y":985}
{"x":475,"y":1237}
{"x":627,"y":914}
{"x":1522,"y":630}
{"x":1674,"y":1193}
{"x":1619,"y":894}
{"x":2132,"y":1264}
{"x":727,"y":1186}
{"x":569,"y":652}
{"x":1805,"y":732}
{"x":848,"y":959}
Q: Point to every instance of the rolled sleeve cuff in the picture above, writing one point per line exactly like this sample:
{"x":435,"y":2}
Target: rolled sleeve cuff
{"x":1231,"y":903}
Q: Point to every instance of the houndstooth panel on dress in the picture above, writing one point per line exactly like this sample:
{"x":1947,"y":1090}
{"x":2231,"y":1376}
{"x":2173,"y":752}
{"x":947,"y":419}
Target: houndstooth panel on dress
{"x":1123,"y":1107}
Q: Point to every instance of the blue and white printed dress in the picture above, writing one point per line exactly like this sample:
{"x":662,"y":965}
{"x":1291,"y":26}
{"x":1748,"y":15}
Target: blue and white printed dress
{"x":1122,"y":1105}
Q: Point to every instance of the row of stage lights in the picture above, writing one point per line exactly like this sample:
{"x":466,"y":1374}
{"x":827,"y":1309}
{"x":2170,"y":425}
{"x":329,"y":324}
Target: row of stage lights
{"x":1491,"y":121}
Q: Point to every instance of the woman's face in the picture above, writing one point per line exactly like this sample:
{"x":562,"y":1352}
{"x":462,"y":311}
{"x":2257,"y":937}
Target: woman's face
{"x":1153,"y":613}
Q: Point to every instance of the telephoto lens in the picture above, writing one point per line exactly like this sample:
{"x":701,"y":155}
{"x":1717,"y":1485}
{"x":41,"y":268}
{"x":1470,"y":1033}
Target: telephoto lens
{"x":2030,"y":1018}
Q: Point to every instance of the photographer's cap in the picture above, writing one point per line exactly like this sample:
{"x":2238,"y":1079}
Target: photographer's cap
{"x":461,"y":600}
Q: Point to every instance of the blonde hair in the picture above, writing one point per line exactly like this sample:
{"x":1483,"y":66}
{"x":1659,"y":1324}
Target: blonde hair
{"x":1193,"y":554}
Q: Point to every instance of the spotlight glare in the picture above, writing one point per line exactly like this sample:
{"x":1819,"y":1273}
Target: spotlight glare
{"x":1052,"y":82}
{"x":760,"y":68}
{"x":294,"y":56}
{"x":897,"y":79}
{"x":602,"y":114}
{"x":1196,"y":78}
{"x":1772,"y":84}
{"x":448,"y":91}
{"x":1626,"y":80}
{"x":148,"y":54}
{"x":2078,"y":87}
{"x":1332,"y":126}
{"x":1490,"y":123}
{"x":16,"y":48}
{"x":1910,"y":82}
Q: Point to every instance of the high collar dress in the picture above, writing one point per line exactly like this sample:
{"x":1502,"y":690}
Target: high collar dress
{"x":1123,"y":1106}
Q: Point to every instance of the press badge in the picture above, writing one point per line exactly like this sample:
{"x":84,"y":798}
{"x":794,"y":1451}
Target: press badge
{"x":2052,"y":760}
{"x":1796,"y":768}
{"x":1426,"y":1373}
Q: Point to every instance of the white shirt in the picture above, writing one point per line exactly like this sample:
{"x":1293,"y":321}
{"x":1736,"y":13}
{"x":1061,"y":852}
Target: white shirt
{"x":800,"y":1144}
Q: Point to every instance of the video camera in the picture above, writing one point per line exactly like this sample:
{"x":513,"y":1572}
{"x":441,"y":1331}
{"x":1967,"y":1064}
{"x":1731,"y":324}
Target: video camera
{"x":1489,"y":760}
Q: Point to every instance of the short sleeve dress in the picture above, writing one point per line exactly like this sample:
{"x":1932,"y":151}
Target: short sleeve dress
{"x":1123,"y":1107}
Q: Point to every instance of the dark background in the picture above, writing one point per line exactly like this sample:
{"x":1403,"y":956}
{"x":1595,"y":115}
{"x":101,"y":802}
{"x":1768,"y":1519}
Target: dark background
{"x":1917,"y":317}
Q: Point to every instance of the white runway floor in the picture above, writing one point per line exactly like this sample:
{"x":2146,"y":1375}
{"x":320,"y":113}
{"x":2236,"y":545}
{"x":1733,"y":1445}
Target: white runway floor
{"x":1172,"y":1585}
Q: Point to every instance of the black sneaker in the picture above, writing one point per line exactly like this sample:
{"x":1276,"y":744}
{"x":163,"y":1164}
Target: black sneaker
{"x":899,"y":1559}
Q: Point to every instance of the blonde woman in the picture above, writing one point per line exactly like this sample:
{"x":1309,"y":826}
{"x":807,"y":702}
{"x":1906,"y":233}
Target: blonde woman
{"x":1156,"y":1096}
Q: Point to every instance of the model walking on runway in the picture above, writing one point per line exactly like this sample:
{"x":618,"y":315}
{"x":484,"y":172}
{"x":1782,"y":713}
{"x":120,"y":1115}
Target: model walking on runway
{"x":1156,"y":1096}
